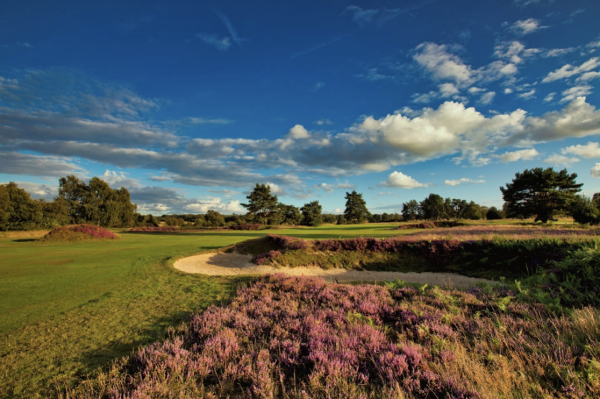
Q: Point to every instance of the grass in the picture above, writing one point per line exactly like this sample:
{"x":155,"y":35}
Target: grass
{"x":68,"y":309}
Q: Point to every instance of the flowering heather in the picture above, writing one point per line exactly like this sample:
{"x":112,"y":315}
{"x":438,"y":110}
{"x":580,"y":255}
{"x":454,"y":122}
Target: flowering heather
{"x":302,"y":338}
{"x":489,"y":257}
{"x":291,"y":243}
{"x":263,"y":258}
{"x":245,"y":227}
{"x":153,"y":229}
{"x":429,"y":225}
{"x":79,"y":232}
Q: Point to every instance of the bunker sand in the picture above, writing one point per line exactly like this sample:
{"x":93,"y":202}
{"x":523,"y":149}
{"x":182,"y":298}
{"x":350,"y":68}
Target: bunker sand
{"x":233,"y":264}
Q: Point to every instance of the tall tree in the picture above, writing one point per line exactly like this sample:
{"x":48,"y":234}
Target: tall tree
{"x":261,"y":204}
{"x":356,"y":208}
{"x":433,"y":207}
{"x":410,"y":210}
{"x":73,"y":191}
{"x":311,"y":214}
{"x":290,"y":214}
{"x":540,"y":192}
{"x":17,"y":210}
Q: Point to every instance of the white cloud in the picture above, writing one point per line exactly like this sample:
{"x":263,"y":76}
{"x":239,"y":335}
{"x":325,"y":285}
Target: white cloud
{"x":508,"y":90}
{"x":330,"y":187}
{"x":525,"y":27}
{"x":324,"y":122}
{"x":557,"y":52}
{"x":487,"y":97}
{"x":441,"y":63}
{"x":204,"y":205}
{"x":399,"y":179}
{"x":577,"y":119}
{"x":558,"y":160}
{"x":575,"y":92}
{"x":590,"y":150}
{"x":219,"y":42}
{"x":514,"y":156}
{"x":424,"y":98}
{"x":514,"y":51}
{"x":37,"y":190}
{"x":568,"y":70}
{"x":460,"y":181}
{"x":588,"y":76}
{"x":595,"y":171}
{"x":298,"y":132}
{"x":527,"y":95}
{"x":448,"y":89}
{"x":549,"y":97}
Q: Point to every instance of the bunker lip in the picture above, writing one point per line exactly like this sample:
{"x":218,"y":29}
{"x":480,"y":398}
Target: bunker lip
{"x":234,"y":264}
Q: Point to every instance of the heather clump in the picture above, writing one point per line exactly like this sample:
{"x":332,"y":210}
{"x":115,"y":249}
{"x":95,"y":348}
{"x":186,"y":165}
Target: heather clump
{"x":245,"y":227}
{"x":264,"y":258}
{"x":79,"y":232}
{"x":430,"y":225}
{"x":300,"y":337}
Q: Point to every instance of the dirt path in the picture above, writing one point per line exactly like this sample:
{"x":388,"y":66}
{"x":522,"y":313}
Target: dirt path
{"x":231,"y":264}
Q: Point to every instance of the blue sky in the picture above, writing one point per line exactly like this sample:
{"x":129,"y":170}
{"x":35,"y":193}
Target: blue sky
{"x":190,"y":104}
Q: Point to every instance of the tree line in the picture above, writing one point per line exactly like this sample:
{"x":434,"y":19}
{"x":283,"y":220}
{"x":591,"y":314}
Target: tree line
{"x":540,"y":193}
{"x":77,"y":202}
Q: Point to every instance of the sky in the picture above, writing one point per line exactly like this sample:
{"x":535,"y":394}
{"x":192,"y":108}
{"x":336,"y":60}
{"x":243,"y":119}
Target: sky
{"x":190,"y":104}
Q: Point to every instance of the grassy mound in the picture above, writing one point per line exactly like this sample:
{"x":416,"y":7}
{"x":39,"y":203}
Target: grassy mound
{"x":484,"y":258}
{"x":79,"y":232}
{"x":302,"y":338}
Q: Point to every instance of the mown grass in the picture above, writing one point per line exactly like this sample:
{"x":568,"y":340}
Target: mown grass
{"x":67,"y":309}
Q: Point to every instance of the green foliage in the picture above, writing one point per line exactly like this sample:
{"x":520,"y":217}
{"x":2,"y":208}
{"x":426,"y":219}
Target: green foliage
{"x":410,"y":210}
{"x":584,"y":210}
{"x":17,"y":210}
{"x":571,"y":282}
{"x":356,"y":208}
{"x":96,"y":202}
{"x":311,"y":214}
{"x":540,"y":192}
{"x":494,"y":214}
{"x":261,"y":204}
{"x":433,"y":207}
{"x":290,"y":214}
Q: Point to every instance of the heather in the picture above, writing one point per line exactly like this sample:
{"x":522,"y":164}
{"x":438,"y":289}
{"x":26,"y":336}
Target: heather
{"x":429,"y":225}
{"x":303,"y":338}
{"x":188,"y":229}
{"x":487,"y":258}
{"x":79,"y":232}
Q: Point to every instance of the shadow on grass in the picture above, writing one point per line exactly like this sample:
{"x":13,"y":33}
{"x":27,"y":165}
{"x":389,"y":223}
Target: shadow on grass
{"x":26,"y":240}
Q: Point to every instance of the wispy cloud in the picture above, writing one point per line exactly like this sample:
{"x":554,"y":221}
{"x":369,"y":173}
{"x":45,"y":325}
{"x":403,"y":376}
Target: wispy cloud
{"x":234,"y":35}
{"x":380,"y":16}
{"x":461,"y":181}
{"x":524,"y":27}
{"x":219,"y":42}
{"x":316,"y":47}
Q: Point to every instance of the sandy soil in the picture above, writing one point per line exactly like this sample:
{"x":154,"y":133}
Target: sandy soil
{"x":230,"y":264}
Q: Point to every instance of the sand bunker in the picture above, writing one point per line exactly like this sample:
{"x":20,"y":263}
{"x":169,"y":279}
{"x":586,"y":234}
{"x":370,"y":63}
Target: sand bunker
{"x":232,"y":264}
